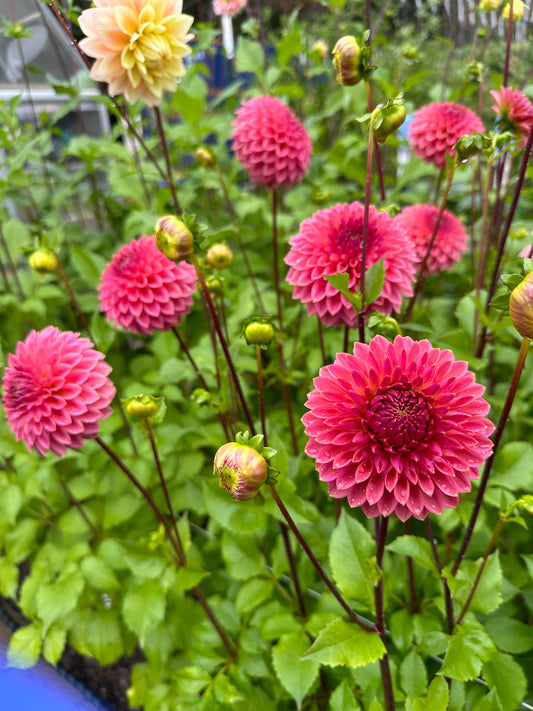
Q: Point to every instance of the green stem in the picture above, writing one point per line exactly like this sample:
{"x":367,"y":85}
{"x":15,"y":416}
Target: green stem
{"x":166,"y":155}
{"x":448,"y":603}
{"x":423,"y":265}
{"x":475,"y":584}
{"x":261,"y":390}
{"x":336,"y":594}
{"x":364,"y":235}
{"x":381,"y":524}
{"x":495,"y":443}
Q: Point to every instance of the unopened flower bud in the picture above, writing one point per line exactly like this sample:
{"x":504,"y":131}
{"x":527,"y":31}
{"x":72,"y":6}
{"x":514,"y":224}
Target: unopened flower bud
{"x":205,"y":157}
{"x":346,"y":61}
{"x":219,"y":256}
{"x":241,"y":470}
{"x":173,"y":238}
{"x":392,"y":116}
{"x":259,"y":333}
{"x":521,"y":306}
{"x":489,"y":5}
{"x":43,"y":261}
{"x":518,"y":10}
{"x":321,"y":47}
{"x":141,"y":407}
{"x":409,"y":51}
{"x":214,"y":286}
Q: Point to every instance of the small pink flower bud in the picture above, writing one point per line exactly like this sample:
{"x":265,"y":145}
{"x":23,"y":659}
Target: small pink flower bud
{"x":346,"y":61}
{"x":173,"y":238}
{"x":43,"y":261}
{"x":521,"y":306}
{"x":241,"y":470}
{"x":205,"y":157}
{"x":219,"y":256}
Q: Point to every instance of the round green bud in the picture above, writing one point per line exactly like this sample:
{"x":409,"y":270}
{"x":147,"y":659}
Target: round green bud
{"x":259,"y":333}
{"x":392,"y":118}
{"x":141,"y":407}
{"x":241,"y":470}
{"x":219,"y":256}
{"x":205,"y":157}
{"x":43,"y":261}
{"x":173,"y":238}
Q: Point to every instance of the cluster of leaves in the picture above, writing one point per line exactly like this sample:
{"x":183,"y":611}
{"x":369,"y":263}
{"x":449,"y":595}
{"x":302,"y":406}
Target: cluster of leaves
{"x":80,"y":550}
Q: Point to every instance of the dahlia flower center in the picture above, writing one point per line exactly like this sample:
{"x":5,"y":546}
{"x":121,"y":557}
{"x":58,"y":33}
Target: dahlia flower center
{"x":398,"y":418}
{"x":150,"y":47}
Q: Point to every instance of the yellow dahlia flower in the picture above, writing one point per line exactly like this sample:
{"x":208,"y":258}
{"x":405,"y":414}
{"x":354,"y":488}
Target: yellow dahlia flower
{"x":139,"y":46}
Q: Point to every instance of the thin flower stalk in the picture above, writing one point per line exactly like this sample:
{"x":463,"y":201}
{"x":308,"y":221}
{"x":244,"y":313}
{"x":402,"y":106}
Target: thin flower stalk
{"x":524,"y":348}
{"x":384,"y":667}
{"x":12,"y":267}
{"x":448,"y":603}
{"x":379,"y":167}
{"x":336,"y":594}
{"x":166,"y":155}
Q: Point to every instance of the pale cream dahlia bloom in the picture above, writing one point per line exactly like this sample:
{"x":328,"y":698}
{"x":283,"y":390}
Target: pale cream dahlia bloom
{"x":139,"y":46}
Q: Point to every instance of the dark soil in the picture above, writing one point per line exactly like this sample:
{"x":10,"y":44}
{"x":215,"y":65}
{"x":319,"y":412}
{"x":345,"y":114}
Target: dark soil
{"x":107,"y":684}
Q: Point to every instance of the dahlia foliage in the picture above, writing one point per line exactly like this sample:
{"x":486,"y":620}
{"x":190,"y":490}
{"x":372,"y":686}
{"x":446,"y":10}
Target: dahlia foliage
{"x":270,"y":142}
{"x":142,"y":291}
{"x":329,"y":242}
{"x":309,"y":331}
{"x":56,"y":390}
{"x":139,"y":46}
{"x":436,"y":128}
{"x":398,"y":427}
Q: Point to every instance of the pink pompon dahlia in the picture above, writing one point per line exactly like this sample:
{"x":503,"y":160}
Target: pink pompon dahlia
{"x":436,"y":128}
{"x":228,"y":7}
{"x":329,"y":242}
{"x":56,"y":390}
{"x":270,"y":142}
{"x":143,"y":291}
{"x":515,"y":112}
{"x":398,"y":427}
{"x":418,"y":223}
{"x":139,"y":46}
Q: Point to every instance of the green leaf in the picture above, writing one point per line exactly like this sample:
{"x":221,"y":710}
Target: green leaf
{"x":343,"y":643}
{"x":98,"y":634}
{"x":351,"y":549}
{"x":512,"y":467}
{"x":25,"y":646}
{"x":437,"y":698}
{"x":289,"y":46}
{"x":189,"y":575}
{"x":56,"y":599}
{"x":143,"y":607}
{"x":418,"y":548}
{"x":296,"y":675}
{"x":99,"y":574}
{"x":242,"y":555}
{"x":487,"y":596}
{"x":54,"y":644}
{"x":502,"y":673}
{"x":225,"y":692}
{"x":249,"y":57}
{"x":510,"y":635}
{"x":374,"y":281}
{"x":490,"y":702}
{"x":11,"y":499}
{"x":413,"y":674}
{"x":252,"y":594}
{"x":343,"y":699}
{"x":9,"y":578}
{"x":87,"y":264}
{"x":466,"y":652}
{"x":340,"y":282}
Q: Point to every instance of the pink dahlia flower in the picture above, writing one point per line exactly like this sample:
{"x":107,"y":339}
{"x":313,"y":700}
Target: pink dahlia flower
{"x":56,"y":390}
{"x":139,"y":46}
{"x":515,"y":112}
{"x":228,"y":7}
{"x":398,"y":427}
{"x":418,"y":223}
{"x":143,"y":291}
{"x":329,"y":242}
{"x":270,"y":142}
{"x":436,"y":128}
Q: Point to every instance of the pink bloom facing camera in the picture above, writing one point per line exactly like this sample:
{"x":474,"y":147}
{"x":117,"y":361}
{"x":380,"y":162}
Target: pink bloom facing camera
{"x":436,"y":128}
{"x":270,"y":142}
{"x":56,"y":390}
{"x":143,"y":291}
{"x":329,"y":242}
{"x":398,"y":427}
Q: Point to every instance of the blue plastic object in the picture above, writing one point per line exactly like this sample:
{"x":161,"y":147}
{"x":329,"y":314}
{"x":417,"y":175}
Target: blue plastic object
{"x":41,"y":688}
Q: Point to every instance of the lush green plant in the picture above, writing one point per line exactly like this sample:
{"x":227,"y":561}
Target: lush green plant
{"x":130,"y":543}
